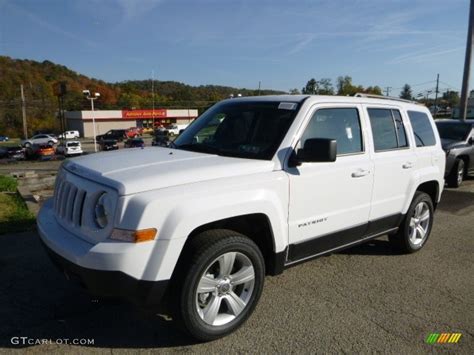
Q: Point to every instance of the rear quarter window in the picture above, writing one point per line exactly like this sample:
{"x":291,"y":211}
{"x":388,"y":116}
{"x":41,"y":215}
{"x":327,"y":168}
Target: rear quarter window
{"x":422,"y":129}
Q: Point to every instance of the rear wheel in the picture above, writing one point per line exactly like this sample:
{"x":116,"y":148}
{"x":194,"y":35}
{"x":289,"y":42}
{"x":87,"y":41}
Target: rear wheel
{"x":221,"y":285}
{"x":416,"y":226}
{"x":456,"y":176}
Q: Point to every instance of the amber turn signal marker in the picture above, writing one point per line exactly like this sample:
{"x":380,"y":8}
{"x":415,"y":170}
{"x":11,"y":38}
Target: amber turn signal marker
{"x":145,"y":235}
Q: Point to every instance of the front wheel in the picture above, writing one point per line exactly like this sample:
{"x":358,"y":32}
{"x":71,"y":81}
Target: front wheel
{"x":416,"y":226}
{"x":222,"y":284}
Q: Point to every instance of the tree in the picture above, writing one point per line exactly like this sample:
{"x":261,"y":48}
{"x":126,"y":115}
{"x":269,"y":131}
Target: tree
{"x":406,"y":92}
{"x":375,"y":90}
{"x":325,"y":87}
{"x":294,"y":91}
{"x":452,"y":97}
{"x":311,"y":87}
{"x":345,"y":86}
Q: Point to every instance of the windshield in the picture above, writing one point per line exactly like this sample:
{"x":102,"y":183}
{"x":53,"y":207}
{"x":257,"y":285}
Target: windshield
{"x":453,"y":131}
{"x":242,"y":129}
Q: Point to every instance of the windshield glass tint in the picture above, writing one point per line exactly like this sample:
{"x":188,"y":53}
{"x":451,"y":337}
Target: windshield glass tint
{"x":242,"y":129}
{"x":456,"y":131}
{"x":73,"y":144}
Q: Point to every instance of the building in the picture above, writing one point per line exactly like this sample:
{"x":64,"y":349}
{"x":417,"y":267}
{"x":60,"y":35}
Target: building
{"x":106,"y":120}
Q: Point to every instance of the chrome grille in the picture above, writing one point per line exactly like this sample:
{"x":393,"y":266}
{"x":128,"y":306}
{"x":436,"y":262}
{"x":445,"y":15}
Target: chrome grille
{"x":69,"y":202}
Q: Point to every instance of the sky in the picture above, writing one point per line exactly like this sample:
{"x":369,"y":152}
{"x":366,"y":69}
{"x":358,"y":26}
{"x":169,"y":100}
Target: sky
{"x":281,"y":43}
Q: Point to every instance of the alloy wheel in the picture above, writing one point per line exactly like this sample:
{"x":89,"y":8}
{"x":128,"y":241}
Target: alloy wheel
{"x":225,"y":288}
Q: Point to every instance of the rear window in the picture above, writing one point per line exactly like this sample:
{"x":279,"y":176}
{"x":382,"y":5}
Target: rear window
{"x":422,"y":129}
{"x":73,"y":144}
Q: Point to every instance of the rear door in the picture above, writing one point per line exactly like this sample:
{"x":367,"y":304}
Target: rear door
{"x":394,"y":164}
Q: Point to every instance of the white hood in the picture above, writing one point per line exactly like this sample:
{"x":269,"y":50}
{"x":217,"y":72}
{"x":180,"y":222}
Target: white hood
{"x":136,"y":170}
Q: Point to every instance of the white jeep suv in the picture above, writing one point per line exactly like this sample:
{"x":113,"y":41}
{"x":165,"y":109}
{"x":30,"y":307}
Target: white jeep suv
{"x":254,"y":186}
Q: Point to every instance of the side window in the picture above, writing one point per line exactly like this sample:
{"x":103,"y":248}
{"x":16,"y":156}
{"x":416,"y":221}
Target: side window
{"x":383,"y":129}
{"x":424,"y":135}
{"x":341,"y":124}
{"x":401,"y":134}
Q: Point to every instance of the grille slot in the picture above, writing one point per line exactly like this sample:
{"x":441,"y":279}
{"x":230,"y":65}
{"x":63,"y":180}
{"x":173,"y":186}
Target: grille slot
{"x":69,"y":202}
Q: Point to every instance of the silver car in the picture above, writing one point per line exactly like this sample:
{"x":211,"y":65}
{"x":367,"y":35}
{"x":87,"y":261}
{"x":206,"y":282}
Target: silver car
{"x":40,"y":139}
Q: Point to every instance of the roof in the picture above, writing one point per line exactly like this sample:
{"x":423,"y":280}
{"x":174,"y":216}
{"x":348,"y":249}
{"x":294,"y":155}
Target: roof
{"x":454,"y":121}
{"x":369,"y":99}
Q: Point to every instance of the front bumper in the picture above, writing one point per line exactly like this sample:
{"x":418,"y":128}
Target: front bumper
{"x":106,"y":269}
{"x":114,"y":284}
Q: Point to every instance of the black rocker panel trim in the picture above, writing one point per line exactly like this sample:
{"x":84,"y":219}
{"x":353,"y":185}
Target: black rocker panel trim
{"x":339,"y":239}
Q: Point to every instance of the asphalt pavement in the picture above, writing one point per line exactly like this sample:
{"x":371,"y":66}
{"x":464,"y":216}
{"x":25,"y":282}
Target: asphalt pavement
{"x":365,"y":299}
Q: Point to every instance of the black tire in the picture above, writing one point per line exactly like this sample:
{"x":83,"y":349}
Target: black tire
{"x":457,"y":174}
{"x":402,"y":240}
{"x":51,"y":143}
{"x":203,"y":252}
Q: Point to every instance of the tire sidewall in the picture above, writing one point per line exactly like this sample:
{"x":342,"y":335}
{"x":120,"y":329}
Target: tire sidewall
{"x":193,"y":322}
{"x":406,"y":228}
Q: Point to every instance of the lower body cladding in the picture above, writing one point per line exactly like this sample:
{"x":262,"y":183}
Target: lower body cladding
{"x":109,"y":268}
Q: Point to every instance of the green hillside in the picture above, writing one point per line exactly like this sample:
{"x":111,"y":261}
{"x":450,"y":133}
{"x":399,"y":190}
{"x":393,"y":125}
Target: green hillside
{"x":39,"y":78}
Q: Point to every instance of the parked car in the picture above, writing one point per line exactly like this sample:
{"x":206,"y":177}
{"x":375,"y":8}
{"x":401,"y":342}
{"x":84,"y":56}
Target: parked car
{"x":108,"y":144}
{"x":134,"y":132}
{"x":40,"y":151}
{"x":175,"y":129}
{"x":196,"y":228}
{"x":14,"y":153}
{"x":4,"y":139}
{"x":69,"y":135}
{"x":69,"y":148}
{"x":40,"y":139}
{"x":134,"y":143}
{"x":115,"y":134}
{"x":161,"y":139}
{"x":457,"y":139}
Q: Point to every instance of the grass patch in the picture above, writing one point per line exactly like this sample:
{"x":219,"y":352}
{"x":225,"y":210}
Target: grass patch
{"x":7,"y":183}
{"x":14,"y":215}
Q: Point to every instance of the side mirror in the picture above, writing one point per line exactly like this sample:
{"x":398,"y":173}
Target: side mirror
{"x":317,"y":150}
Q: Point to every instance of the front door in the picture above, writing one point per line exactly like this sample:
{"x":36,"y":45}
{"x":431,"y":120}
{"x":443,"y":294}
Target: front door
{"x":330,"y":202}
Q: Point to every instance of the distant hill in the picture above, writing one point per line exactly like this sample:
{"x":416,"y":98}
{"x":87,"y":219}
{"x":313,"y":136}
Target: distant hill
{"x":39,"y":78}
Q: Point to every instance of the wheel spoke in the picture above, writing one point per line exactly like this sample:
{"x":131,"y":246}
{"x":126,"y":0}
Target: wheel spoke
{"x":425,"y":215}
{"x":226,"y":263}
{"x":212,"y":309}
{"x":418,"y":209}
{"x":235,"y":303}
{"x":412,"y":223}
{"x":244,"y":275}
{"x":421,"y":232}
{"x":207,"y":284}
{"x":413,"y":234}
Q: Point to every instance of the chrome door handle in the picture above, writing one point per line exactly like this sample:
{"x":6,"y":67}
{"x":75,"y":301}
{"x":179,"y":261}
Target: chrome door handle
{"x":407,"y":165}
{"x":360,"y":173}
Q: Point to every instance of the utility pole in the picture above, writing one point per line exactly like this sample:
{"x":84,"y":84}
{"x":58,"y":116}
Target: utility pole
{"x":153,"y":99}
{"x":467,"y":65}
{"x":259,"y":84}
{"x":436,"y":96}
{"x":23,"y":111}
{"x":387,"y":90}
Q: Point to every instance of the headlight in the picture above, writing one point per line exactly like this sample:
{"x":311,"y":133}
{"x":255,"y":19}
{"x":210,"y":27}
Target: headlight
{"x":102,"y":210}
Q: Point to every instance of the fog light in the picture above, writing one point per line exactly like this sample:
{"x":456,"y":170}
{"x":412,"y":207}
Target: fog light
{"x":138,"y":236}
